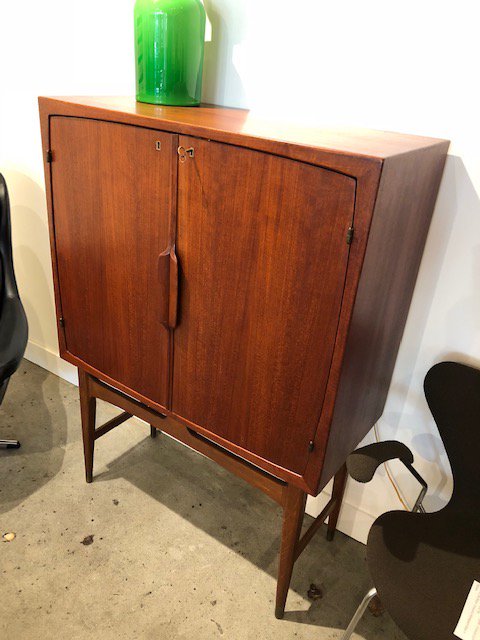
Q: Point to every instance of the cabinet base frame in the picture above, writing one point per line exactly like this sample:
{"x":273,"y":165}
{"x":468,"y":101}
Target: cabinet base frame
{"x":291,"y":498}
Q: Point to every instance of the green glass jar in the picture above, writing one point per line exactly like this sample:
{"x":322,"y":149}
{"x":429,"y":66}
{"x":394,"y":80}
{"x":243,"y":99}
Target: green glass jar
{"x":169,"y":46}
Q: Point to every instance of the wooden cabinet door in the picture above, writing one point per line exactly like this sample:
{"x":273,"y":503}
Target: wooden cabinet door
{"x":262,"y":249}
{"x":113,"y":200}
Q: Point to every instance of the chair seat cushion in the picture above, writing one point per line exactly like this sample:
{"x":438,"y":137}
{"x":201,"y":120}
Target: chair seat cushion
{"x":423,"y":566}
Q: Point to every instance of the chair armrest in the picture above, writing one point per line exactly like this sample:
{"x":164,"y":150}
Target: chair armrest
{"x":362,"y":463}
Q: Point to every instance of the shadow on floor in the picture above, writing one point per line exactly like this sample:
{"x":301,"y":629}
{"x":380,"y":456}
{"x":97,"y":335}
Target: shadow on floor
{"x":33,"y":413}
{"x":246,"y":521}
{"x":38,"y":409}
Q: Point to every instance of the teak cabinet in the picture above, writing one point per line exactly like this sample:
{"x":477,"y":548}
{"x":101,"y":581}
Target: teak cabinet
{"x":248,"y":280}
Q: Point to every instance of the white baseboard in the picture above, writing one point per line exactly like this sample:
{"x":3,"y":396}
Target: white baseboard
{"x":51,"y":361}
{"x":353,"y":521}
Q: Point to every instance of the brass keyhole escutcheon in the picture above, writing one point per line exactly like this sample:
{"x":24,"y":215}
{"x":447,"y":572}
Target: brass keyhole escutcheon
{"x":183,"y":153}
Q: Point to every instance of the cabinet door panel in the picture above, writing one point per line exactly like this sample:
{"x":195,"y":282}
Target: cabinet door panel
{"x":261,"y":243}
{"x":113,"y":198}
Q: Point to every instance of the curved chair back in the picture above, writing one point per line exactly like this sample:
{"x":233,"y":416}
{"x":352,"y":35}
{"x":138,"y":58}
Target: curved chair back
{"x":452,"y":391}
{"x":423,"y":565}
{"x":8,"y":287}
{"x":13,"y":322}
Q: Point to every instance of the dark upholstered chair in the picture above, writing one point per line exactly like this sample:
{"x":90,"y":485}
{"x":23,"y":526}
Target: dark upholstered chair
{"x":13,"y":322}
{"x":423,"y":565}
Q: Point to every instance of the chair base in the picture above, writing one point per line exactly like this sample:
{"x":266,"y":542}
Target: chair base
{"x":9,"y":444}
{"x":358,"y":614}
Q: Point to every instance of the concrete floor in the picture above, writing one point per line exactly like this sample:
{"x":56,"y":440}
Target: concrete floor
{"x":181,"y":548}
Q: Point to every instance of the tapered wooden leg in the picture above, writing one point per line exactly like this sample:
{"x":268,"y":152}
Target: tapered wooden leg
{"x":153,"y":431}
{"x":293,"y":511}
{"x":339,"y":484}
{"x":88,"y":409}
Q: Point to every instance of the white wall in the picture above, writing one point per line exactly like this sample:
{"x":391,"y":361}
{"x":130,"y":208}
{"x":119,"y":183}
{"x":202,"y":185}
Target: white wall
{"x":408,"y":66}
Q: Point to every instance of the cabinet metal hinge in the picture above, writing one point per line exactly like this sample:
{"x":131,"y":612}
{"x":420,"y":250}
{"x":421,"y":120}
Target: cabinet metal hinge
{"x":61,"y":322}
{"x":311,"y":446}
{"x":49,"y":155}
{"x":350,"y":233}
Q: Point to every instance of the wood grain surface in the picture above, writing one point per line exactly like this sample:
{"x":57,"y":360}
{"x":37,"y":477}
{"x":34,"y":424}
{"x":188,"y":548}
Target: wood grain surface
{"x":263,"y":259}
{"x":401,"y":220}
{"x":245,"y":128}
{"x":113,"y":203}
{"x":269,"y":334}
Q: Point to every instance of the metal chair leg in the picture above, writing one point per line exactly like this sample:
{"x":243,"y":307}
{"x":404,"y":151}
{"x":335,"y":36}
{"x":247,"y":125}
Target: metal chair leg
{"x":9,"y":444}
{"x":359,"y":613}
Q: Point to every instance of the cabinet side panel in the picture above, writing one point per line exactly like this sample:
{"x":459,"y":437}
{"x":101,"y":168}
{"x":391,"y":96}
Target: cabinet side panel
{"x":403,"y":211}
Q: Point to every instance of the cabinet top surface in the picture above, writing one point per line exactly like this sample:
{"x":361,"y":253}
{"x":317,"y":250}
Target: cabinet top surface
{"x":208,"y":119}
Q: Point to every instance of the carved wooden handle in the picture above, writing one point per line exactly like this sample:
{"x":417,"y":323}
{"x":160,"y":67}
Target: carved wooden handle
{"x":168,"y":276}
{"x":173,"y":297}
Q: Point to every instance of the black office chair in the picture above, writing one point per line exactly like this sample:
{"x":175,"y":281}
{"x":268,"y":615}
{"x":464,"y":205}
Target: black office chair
{"x":423,"y":565}
{"x":13,"y":322}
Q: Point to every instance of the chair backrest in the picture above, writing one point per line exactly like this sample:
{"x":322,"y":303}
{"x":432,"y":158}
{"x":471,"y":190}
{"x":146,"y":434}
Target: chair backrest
{"x":13,"y":321}
{"x":1,"y":279}
{"x":8,"y":286}
{"x":452,"y":391}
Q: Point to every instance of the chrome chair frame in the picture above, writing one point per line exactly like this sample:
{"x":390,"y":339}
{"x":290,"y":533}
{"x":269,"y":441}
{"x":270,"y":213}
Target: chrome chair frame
{"x":417,"y":507}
